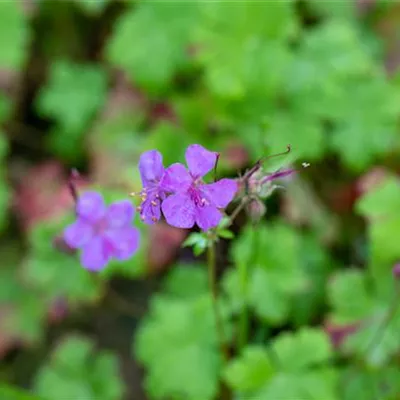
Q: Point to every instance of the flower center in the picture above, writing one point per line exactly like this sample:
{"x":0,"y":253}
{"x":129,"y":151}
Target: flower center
{"x":196,"y":195}
{"x":100,"y":226}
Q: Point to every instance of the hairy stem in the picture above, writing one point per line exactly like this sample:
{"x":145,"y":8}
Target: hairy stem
{"x":212,"y":281}
{"x":237,"y":210}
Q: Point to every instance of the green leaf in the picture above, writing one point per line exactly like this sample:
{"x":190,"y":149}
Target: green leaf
{"x":72,"y":97}
{"x":294,"y":368}
{"x":9,"y":392}
{"x":350,"y":297}
{"x":367,"y":126}
{"x":268,"y":301}
{"x":269,"y":270}
{"x":226,"y":234}
{"x":181,"y":358}
{"x":24,"y":312}
{"x":194,"y":238}
{"x":336,"y":9}
{"x":369,"y":385}
{"x":381,"y":206}
{"x":135,"y":35}
{"x":56,"y":273}
{"x":14,"y":35}
{"x":303,"y":349}
{"x":186,"y":281}
{"x":302,"y":132}
{"x":238,"y":43}
{"x":319,"y":384}
{"x":382,"y":200}
{"x":5,"y":107}
{"x":317,"y":265}
{"x":75,"y":371}
{"x":374,"y":344}
{"x":251,"y":371}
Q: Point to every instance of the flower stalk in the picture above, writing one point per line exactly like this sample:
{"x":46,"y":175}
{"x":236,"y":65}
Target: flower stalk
{"x":212,"y":282}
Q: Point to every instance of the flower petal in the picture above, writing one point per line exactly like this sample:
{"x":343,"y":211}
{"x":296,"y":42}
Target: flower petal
{"x":125,"y":242}
{"x":150,"y":210}
{"x":222,"y":192}
{"x":176,"y":178}
{"x":151,"y":166}
{"x":207,"y":217}
{"x":96,"y":254}
{"x":120,"y":213}
{"x":91,"y":206}
{"x":78,"y":234}
{"x":200,"y":160}
{"x":179,"y":210}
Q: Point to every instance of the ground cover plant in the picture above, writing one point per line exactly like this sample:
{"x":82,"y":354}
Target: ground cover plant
{"x":200,"y":200}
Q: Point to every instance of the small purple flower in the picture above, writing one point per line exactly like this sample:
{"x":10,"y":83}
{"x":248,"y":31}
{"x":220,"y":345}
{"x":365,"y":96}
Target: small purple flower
{"x":152,"y":172}
{"x":102,"y":232}
{"x":194,"y":201}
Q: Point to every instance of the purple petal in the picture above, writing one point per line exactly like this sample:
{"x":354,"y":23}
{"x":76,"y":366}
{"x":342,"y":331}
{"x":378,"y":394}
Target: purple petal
{"x":78,"y":234}
{"x":207,"y":217}
{"x":125,"y":242}
{"x":278,"y":175}
{"x":179,"y":210}
{"x":151,"y":166}
{"x":176,"y":178}
{"x":222,"y":192}
{"x":120,"y":213}
{"x":200,"y":160}
{"x":96,"y":254}
{"x":150,"y":210}
{"x":91,"y":206}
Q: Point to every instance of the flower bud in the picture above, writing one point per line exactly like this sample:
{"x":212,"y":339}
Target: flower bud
{"x":256,"y":209}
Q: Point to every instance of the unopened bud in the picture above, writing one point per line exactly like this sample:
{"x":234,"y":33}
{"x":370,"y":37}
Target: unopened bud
{"x":256,"y":209}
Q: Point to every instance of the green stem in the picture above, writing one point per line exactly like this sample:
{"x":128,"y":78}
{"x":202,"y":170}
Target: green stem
{"x":243,"y":327}
{"x":390,"y":314}
{"x":236,"y":211}
{"x":212,"y":281}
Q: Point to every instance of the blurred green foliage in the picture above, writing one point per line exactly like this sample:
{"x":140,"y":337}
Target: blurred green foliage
{"x":75,"y":373}
{"x":94,"y":83}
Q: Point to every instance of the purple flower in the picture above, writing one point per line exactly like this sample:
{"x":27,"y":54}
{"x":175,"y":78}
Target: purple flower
{"x":194,"y":201}
{"x":102,"y":232}
{"x":152,"y":172}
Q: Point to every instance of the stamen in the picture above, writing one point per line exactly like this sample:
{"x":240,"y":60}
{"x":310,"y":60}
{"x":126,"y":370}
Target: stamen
{"x":216,"y":166}
{"x":138,"y":208}
{"x":153,"y":203}
{"x":154,"y":219}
